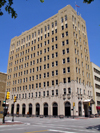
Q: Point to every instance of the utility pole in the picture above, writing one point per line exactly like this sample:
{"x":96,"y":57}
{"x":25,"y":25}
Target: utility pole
{"x":15,"y":98}
{"x":73,"y":109}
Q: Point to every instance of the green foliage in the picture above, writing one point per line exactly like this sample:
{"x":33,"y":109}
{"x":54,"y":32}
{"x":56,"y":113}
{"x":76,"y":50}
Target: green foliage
{"x":87,"y":1}
{"x":8,"y":8}
{"x":42,"y":1}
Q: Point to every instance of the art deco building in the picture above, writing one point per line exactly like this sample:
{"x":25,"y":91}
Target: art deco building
{"x":49,"y":67}
{"x":96,"y":87}
{"x":3,"y":79}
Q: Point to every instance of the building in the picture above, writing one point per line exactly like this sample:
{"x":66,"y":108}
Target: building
{"x":49,"y":67}
{"x":3,"y":79}
{"x":96,"y":87}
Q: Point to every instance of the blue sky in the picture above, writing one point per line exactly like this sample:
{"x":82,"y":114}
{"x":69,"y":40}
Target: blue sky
{"x":32,"y":12}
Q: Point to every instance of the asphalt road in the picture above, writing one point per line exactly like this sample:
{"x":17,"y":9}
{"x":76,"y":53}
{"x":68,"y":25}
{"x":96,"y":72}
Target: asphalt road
{"x":52,"y":125}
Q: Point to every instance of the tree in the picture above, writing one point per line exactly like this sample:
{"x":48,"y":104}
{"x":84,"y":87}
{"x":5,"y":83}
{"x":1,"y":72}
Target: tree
{"x":10,"y":10}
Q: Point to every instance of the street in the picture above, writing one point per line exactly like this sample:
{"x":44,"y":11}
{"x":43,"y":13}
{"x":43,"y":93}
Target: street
{"x":52,"y":125}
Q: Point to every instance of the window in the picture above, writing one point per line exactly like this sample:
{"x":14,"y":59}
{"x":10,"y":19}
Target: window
{"x":64,"y":91}
{"x":66,"y":18}
{"x":48,"y":27}
{"x":52,"y":92}
{"x":56,"y":72}
{"x":55,"y":30}
{"x":63,"y":43}
{"x":44,"y":66}
{"x":52,"y":73}
{"x":52,"y":24}
{"x":64,"y":80}
{"x":56,"y":38}
{"x":48,"y":49}
{"x":47,"y":93}
{"x":66,"y":25}
{"x":52,"y":64}
{"x":63,"y":61}
{"x":47,"y":83}
{"x":67,"y":33}
{"x":56,"y":46}
{"x":52,"y":32}
{"x":55,"y":23}
{"x":44,"y":93}
{"x":69,"y":90}
{"x":44,"y":50}
{"x":39,"y":94}
{"x":62,"y":27}
{"x":47,"y":57}
{"x":56,"y":54}
{"x":57,"y":92}
{"x":67,"y":50}
{"x":67,"y":42}
{"x":52,"y":82}
{"x":48,"y":65}
{"x":68,"y":69}
{"x":62,"y":35}
{"x":52,"y":39}
{"x":64,"y":70}
{"x":36,"y":94}
{"x":52,"y":55}
{"x":68,"y":59}
{"x":56,"y":63}
{"x":62,"y":20}
{"x":47,"y":74}
{"x":44,"y":75}
{"x":69,"y":80}
{"x":44,"y":84}
{"x":56,"y":81}
{"x":53,"y":47}
{"x":44,"y":58}
{"x":63,"y":51}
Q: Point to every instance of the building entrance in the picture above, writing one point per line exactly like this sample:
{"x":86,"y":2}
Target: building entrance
{"x":45,"y":109}
{"x":30,"y":109}
{"x":37,"y":109}
{"x":80,"y":109}
{"x":17,"y":109}
{"x":23,"y":109}
{"x":67,"y":109}
{"x":55,"y":109}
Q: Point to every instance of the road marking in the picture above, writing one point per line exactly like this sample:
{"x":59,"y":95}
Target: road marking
{"x":11,"y":129}
{"x":37,"y":131}
{"x":60,"y":131}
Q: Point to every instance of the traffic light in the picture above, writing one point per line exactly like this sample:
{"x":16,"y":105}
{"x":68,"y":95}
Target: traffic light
{"x":73,"y":104}
{"x":89,"y":103}
{"x":8,"y":95}
{"x":15,"y":98}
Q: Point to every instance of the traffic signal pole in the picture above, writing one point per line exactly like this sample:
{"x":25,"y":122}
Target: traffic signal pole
{"x":13,"y":113}
{"x":15,"y":98}
{"x":7,"y":96}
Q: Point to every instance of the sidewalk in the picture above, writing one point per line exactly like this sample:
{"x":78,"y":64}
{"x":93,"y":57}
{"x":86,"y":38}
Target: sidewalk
{"x":7,"y":122}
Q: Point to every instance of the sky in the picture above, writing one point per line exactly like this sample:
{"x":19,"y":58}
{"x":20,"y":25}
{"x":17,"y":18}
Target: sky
{"x":32,"y":12}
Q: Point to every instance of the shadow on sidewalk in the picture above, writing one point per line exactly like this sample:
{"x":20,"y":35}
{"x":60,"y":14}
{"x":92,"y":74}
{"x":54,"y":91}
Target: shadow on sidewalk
{"x":97,"y":127}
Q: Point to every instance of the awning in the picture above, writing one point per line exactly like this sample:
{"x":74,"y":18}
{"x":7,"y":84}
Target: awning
{"x":98,"y":107}
{"x":89,"y":100}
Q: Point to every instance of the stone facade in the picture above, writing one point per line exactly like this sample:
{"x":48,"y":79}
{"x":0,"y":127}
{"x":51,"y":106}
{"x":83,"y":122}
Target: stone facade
{"x":96,"y":86}
{"x":3,"y":79}
{"x":52,"y":55}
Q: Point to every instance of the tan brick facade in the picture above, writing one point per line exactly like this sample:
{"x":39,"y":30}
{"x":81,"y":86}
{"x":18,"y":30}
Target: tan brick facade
{"x":3,"y":79}
{"x":53,"y":53}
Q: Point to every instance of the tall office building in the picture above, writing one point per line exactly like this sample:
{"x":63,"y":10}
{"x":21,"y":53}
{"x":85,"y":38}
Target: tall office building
{"x":49,"y":67}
